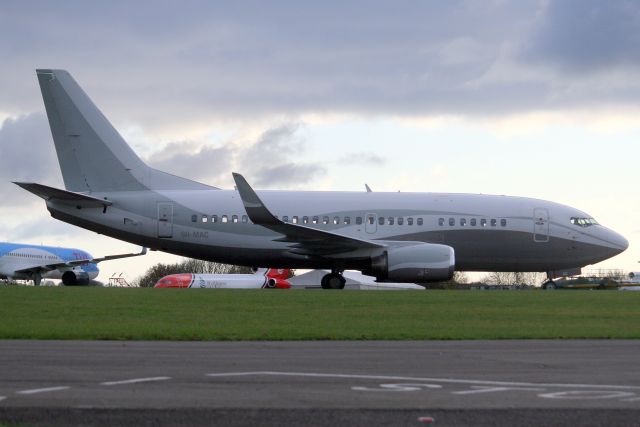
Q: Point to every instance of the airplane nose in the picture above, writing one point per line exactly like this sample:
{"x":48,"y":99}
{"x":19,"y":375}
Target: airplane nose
{"x":174,"y":281}
{"x":620,"y":241}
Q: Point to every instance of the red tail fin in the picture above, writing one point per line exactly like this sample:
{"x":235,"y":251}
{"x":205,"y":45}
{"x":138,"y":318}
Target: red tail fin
{"x":278,"y":273}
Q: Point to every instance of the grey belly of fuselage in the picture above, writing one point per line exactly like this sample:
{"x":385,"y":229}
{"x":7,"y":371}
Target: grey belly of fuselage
{"x":475,"y":250}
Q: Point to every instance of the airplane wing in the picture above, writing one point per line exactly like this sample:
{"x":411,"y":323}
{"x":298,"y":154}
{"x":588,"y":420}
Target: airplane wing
{"x":75,"y":262}
{"x":306,"y":240}
{"x":64,"y":196}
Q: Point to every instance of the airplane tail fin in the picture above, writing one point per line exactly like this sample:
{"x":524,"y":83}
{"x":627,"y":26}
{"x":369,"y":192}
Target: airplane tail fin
{"x":93,"y":156}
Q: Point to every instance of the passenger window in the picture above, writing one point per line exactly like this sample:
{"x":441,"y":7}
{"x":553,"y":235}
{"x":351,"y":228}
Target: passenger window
{"x":347,"y":220}
{"x":472,"y":222}
{"x":463,"y":222}
{"x":400,"y":220}
{"x":205,"y":218}
{"x":440,"y":222}
{"x":325,"y":220}
{"x":503,"y":222}
{"x":358,"y":220}
{"x":225,"y":219}
{"x":336,"y":220}
{"x":245,"y":219}
{"x":494,"y":222}
{"x":452,"y":222}
{"x":409,"y":221}
{"x":305,"y":220}
{"x":315,"y":220}
{"x":214,"y":218}
{"x":194,"y":218}
{"x":420,"y":221}
{"x":381,"y":220}
{"x":483,"y":222}
{"x":391,"y":221}
{"x":234,"y":218}
{"x":285,"y":218}
{"x":294,"y":219}
{"x":370,"y":220}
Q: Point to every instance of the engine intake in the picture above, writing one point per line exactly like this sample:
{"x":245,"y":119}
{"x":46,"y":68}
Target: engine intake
{"x":71,"y":278}
{"x":428,"y":262}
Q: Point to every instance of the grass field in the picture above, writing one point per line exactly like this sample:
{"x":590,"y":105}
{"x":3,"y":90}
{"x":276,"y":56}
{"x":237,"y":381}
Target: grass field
{"x":203,"y":314}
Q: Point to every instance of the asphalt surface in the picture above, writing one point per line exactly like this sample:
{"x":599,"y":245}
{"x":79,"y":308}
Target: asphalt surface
{"x":96,"y":383}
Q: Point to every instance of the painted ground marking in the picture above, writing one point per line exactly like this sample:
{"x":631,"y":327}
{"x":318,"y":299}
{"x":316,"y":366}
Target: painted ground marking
{"x":135,"y":380}
{"x":624,"y":393}
{"x":43,"y":390}
{"x":428,"y":380}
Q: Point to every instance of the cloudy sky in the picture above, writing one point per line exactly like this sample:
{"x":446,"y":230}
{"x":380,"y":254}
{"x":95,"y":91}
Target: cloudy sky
{"x":530,"y":98}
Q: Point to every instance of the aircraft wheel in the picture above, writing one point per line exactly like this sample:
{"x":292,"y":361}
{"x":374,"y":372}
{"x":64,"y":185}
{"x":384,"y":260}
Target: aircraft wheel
{"x":550,"y":285}
{"x":333,"y":281}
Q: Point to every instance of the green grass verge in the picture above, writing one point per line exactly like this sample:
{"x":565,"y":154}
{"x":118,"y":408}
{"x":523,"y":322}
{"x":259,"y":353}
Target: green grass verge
{"x":202,"y":314}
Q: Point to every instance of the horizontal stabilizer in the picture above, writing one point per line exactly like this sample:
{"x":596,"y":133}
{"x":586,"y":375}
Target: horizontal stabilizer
{"x":63,"y":196}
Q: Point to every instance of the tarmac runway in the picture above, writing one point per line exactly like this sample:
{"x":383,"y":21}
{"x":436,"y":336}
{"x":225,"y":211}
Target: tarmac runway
{"x":529,"y":382}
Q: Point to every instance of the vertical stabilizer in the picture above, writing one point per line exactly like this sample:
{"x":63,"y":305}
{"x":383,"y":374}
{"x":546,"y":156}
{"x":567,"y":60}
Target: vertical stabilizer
{"x":92,"y":154}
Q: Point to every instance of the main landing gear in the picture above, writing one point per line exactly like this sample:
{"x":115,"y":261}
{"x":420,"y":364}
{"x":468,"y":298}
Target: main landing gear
{"x":333,"y":280}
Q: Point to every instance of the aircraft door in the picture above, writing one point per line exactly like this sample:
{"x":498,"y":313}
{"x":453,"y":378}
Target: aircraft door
{"x":540,"y":225}
{"x":165,"y":219}
{"x":371,"y":223}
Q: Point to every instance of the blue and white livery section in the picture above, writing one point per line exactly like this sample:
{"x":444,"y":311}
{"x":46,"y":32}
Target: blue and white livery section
{"x":33,"y":262}
{"x":74,"y":267}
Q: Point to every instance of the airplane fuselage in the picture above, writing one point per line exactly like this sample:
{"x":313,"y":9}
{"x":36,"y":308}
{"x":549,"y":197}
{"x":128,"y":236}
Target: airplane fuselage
{"x":487,"y":233}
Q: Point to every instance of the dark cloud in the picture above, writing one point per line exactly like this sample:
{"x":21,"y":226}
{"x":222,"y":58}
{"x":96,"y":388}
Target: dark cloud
{"x":286,"y":175}
{"x":26,"y":154}
{"x":363,"y":158}
{"x":584,"y":36}
{"x":197,"y":59}
{"x":270,"y":161}
{"x":43,"y":227}
{"x":205,"y":164}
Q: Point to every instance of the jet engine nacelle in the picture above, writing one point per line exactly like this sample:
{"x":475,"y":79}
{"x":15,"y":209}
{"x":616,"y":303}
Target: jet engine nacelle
{"x":278,"y":283}
{"x":428,"y":262}
{"x":75,"y":278}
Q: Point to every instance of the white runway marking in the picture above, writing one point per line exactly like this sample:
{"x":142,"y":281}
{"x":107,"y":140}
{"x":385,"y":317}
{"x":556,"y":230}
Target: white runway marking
{"x":475,"y":389}
{"x":398,"y":387}
{"x":431,"y":380}
{"x":43,"y":390}
{"x":135,"y":380}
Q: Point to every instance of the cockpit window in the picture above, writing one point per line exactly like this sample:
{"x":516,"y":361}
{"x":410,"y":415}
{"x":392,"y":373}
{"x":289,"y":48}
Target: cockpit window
{"x":583,"y":222}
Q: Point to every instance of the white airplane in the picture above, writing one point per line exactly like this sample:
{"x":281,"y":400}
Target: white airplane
{"x":74,"y":267}
{"x":271,"y":278}
{"x":397,"y":237}
{"x":354,"y":280}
